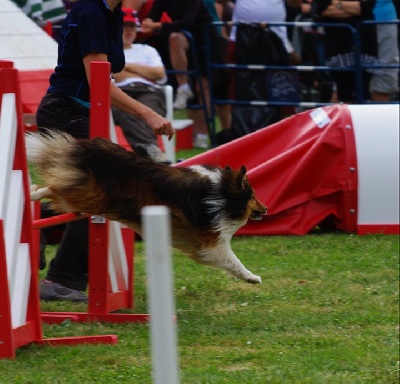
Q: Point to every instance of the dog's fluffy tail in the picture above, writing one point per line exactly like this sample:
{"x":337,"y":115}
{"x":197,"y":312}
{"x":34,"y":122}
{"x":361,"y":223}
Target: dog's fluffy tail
{"x":55,"y":155}
{"x":44,"y":147}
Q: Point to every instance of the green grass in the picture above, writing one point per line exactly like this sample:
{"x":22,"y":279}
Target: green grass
{"x":327,"y":312}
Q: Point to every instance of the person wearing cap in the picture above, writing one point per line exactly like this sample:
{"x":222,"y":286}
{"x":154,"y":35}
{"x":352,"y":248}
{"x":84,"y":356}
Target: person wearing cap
{"x":92,"y":31}
{"x":140,"y":79}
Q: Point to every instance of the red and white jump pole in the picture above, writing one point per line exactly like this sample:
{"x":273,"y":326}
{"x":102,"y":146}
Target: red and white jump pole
{"x":376,"y":131}
{"x":110,"y":244}
{"x":19,"y":304}
{"x":111,"y":247}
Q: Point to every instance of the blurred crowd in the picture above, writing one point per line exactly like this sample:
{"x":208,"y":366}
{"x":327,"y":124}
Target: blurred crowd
{"x":161,"y":24}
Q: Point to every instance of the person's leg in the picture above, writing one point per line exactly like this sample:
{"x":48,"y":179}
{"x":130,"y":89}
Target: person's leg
{"x":70,"y":267}
{"x":61,"y":112}
{"x":200,"y":130}
{"x":386,"y":83}
{"x":67,"y":274}
{"x":134,"y":129}
{"x":153,"y":97}
{"x":138,"y":134}
{"x":222,"y":86}
{"x":345,"y":86}
{"x":200,"y":127}
{"x":345,"y":83}
{"x":224,"y":114}
{"x":366,"y":79}
{"x":178,"y":51}
{"x":199,"y":116}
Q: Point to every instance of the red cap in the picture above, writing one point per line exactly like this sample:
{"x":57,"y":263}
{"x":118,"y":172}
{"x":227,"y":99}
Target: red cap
{"x":130,"y":15}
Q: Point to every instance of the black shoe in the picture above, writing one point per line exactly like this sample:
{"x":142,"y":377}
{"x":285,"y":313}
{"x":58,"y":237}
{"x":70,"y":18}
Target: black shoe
{"x":55,"y":291}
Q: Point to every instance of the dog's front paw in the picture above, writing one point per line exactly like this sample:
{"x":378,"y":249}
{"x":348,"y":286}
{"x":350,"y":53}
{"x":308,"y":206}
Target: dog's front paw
{"x":33,"y":192}
{"x":254,"y":279}
{"x":37,"y":193}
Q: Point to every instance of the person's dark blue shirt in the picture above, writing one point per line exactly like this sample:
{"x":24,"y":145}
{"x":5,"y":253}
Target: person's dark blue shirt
{"x":90,"y":27}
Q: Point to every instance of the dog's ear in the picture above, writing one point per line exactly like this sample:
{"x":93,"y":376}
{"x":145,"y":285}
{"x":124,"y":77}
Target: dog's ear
{"x":228,"y":168}
{"x":242,"y":177}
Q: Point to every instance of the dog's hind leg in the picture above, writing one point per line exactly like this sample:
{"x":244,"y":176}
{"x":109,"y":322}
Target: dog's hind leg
{"x":38,"y":193}
{"x":222,"y":256}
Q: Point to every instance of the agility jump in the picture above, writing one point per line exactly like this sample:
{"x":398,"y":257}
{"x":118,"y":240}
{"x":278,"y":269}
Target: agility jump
{"x":110,"y":276}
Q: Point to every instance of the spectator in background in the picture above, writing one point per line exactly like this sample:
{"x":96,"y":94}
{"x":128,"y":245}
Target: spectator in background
{"x":310,"y":44}
{"x":387,"y":84}
{"x":140,"y":79}
{"x":220,"y":79}
{"x":133,"y":4}
{"x":225,"y":12}
{"x":194,"y":17}
{"x":220,"y":85}
{"x":339,"y":48}
{"x":255,"y":44}
{"x":266,"y":11}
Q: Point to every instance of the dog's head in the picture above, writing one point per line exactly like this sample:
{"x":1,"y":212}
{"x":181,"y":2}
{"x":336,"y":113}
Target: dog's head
{"x":244,"y":195}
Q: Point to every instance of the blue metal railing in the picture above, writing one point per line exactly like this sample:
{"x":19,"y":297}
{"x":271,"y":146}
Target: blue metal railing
{"x":357,"y":68}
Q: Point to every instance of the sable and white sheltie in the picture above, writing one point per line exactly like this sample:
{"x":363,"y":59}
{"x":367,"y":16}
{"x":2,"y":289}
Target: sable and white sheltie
{"x":207,"y":204}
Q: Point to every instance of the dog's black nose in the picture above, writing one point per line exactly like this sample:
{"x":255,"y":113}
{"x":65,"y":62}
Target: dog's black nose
{"x":258,"y":214}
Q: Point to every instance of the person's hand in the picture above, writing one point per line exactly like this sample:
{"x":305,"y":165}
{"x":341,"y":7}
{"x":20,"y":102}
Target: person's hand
{"x":147,"y":26}
{"x":160,"y":125}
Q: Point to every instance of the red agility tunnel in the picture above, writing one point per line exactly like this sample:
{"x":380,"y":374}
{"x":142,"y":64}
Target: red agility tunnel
{"x":335,"y":167}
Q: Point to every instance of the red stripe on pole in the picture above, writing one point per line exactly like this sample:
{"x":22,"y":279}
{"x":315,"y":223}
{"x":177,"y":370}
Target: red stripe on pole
{"x":100,"y":99}
{"x":99,"y":284}
{"x":55,"y":220}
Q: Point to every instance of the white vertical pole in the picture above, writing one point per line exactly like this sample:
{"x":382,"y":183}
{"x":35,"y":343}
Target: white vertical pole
{"x":157,"y":236}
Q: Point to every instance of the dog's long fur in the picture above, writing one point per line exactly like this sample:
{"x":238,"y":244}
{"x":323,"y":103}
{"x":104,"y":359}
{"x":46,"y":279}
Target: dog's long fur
{"x":207,"y":204}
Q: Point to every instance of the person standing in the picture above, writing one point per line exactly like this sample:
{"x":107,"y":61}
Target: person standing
{"x":384,"y":85}
{"x":266,"y":11}
{"x":251,"y":43}
{"x":92,"y":31}
{"x":339,"y":47}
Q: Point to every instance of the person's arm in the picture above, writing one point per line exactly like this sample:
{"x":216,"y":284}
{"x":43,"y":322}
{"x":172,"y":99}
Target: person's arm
{"x":122,"y":101}
{"x":149,"y":26}
{"x":342,"y":9}
{"x":148,"y":65}
{"x":219,"y":9}
{"x":134,"y":4}
{"x":143,"y":71}
{"x":306,"y":7}
{"x":294,"y":3}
